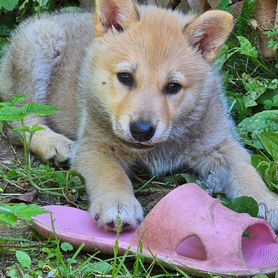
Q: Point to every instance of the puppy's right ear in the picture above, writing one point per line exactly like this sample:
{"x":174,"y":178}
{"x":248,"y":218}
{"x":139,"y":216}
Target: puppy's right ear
{"x":118,"y":14}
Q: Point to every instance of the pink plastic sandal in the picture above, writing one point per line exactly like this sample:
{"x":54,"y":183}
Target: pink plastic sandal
{"x":187,"y":228}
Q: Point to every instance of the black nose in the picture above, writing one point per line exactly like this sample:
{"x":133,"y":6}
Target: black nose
{"x":142,"y":131}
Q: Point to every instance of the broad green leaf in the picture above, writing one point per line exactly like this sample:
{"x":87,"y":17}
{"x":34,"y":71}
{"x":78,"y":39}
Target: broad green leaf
{"x":24,"y":259}
{"x":27,"y":212}
{"x":250,"y":128}
{"x":9,"y":5}
{"x":269,"y":140}
{"x":17,"y":100}
{"x":10,"y":113}
{"x":260,"y":162}
{"x":267,"y":169}
{"x":65,"y":246}
{"x":244,"y":205}
{"x":36,"y":128}
{"x":246,"y":48}
{"x":39,"y":109}
{"x":8,"y":218}
{"x":9,"y":214}
{"x":4,"y":210}
{"x":255,"y":88}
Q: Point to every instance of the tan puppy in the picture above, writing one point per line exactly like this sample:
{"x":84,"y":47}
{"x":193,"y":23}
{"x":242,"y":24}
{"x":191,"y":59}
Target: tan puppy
{"x":134,"y":87}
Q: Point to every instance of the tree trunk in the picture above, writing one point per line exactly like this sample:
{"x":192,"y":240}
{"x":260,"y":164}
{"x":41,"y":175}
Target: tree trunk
{"x":265,"y":17}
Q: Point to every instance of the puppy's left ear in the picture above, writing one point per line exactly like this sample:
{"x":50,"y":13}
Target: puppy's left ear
{"x":209,"y":32}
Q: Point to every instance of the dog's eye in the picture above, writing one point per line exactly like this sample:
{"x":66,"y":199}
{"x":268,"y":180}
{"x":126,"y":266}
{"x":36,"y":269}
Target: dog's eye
{"x":126,"y":78}
{"x":172,"y":88}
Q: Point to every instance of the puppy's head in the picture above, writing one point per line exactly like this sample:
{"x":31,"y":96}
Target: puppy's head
{"x":150,"y":65}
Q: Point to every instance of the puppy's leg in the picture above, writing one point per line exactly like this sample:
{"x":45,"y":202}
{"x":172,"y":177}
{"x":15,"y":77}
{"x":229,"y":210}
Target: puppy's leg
{"x":108,"y":186}
{"x":28,"y":67}
{"x":48,"y":145}
{"x":228,"y":165}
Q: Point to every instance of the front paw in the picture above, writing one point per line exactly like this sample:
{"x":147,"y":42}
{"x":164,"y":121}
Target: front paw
{"x":109,"y":208}
{"x":268,"y":209}
{"x":52,"y":147}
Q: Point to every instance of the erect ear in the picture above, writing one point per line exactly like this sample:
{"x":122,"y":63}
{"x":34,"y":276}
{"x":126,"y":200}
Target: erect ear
{"x":209,"y":31}
{"x":118,"y":14}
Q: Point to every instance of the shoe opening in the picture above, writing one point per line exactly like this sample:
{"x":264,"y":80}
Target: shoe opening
{"x":192,"y":247}
{"x":259,"y":247}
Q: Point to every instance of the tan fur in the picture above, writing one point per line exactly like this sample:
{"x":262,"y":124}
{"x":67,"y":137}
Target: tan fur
{"x":60,"y":61}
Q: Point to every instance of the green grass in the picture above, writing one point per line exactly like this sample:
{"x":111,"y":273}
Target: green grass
{"x":251,"y":88}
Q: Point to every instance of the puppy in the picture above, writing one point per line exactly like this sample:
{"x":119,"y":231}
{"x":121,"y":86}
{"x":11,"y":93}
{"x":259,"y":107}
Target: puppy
{"x":134,"y":85}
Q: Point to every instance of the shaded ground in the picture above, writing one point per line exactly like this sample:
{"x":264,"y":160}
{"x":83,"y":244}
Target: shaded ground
{"x":8,"y":153}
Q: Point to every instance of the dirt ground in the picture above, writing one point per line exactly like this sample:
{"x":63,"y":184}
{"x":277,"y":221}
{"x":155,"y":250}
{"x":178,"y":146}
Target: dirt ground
{"x":8,"y":156}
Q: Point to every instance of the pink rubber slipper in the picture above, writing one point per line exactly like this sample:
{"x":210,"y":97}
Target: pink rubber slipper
{"x":187,"y":228}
